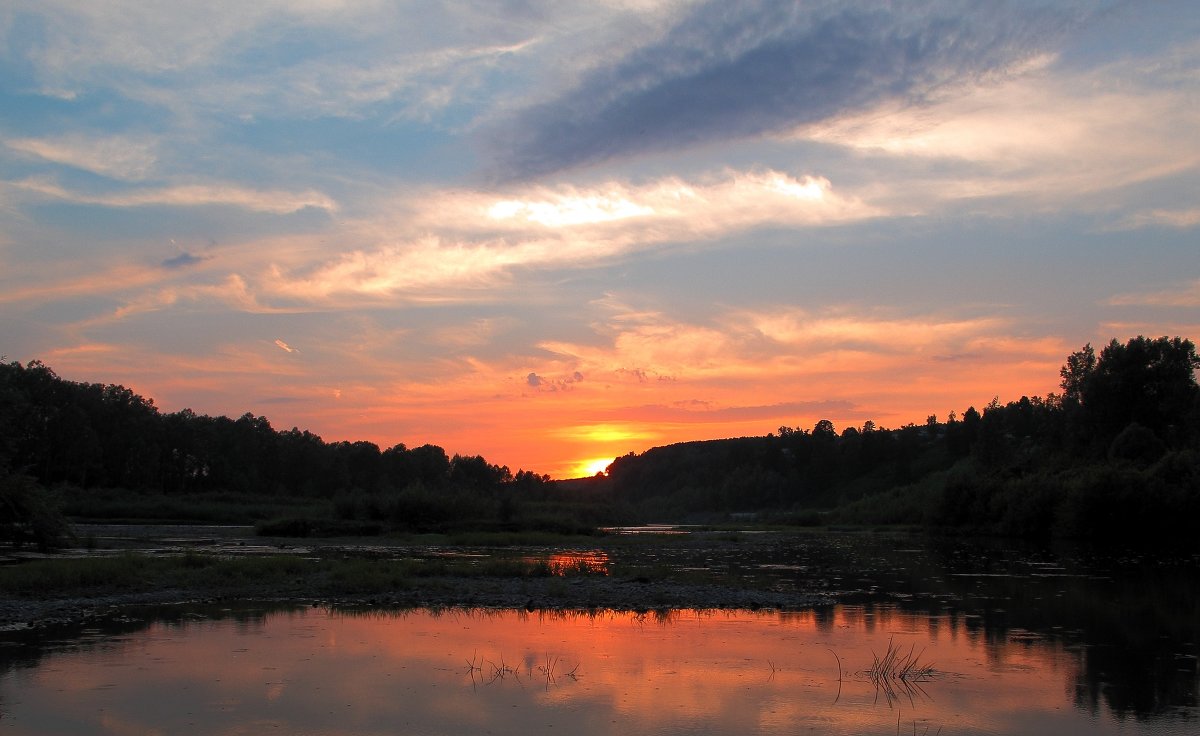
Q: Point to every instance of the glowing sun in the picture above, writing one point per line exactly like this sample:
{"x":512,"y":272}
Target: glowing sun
{"x":588,"y":468}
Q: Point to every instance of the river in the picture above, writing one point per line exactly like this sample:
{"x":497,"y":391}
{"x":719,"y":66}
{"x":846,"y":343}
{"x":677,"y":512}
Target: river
{"x":984,"y":638}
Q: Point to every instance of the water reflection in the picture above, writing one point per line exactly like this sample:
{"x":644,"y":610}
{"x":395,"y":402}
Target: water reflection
{"x":316,"y":671}
{"x":590,"y":562}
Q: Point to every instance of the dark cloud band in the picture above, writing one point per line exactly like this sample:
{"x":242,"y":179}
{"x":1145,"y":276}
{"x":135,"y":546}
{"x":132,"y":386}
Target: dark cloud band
{"x":736,"y":70}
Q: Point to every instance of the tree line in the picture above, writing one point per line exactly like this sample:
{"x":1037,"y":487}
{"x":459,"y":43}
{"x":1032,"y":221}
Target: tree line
{"x":87,"y":439}
{"x":91,"y":435}
{"x":1116,"y":453}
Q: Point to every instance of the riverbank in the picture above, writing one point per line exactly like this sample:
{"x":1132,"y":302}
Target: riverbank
{"x":556,"y":594}
{"x":170,"y":564}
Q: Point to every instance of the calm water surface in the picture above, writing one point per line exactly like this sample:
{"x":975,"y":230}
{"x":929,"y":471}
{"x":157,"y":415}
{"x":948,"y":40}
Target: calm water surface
{"x":1016,"y":644}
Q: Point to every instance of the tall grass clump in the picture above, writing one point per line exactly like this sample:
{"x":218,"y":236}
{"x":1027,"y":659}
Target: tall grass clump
{"x":898,"y":673}
{"x":43,"y":578}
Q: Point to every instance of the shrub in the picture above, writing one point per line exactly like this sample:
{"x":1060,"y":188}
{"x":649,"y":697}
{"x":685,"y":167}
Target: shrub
{"x":1136,"y":444}
{"x":30,"y":514}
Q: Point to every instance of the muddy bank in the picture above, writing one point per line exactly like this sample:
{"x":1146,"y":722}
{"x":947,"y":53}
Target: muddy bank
{"x":620,"y":573}
{"x":582,"y":593}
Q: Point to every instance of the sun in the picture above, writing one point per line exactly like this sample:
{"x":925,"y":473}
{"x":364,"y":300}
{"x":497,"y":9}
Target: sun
{"x":588,"y":468}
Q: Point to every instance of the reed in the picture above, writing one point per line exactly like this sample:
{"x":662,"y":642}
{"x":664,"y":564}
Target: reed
{"x":895,"y":664}
{"x":899,"y":674}
{"x":548,"y":671}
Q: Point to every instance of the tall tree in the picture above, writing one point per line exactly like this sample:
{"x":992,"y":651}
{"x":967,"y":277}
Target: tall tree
{"x":1079,"y":366}
{"x":1148,"y":381}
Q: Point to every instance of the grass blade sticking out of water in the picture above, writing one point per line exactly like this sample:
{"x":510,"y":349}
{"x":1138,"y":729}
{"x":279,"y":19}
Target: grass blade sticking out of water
{"x":899,"y":674}
{"x":839,"y":667}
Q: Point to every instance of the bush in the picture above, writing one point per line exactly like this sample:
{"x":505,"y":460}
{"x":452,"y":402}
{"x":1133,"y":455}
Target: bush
{"x":30,"y":514}
{"x":1105,"y":502}
{"x":1137,"y":445}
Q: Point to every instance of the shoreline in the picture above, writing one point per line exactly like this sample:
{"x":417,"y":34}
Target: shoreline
{"x":592,"y":593}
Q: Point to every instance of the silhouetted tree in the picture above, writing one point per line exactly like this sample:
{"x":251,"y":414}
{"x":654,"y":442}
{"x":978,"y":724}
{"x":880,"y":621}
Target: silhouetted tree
{"x":1151,"y":382}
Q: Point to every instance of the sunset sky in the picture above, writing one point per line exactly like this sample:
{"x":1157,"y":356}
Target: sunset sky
{"x":556,"y":232}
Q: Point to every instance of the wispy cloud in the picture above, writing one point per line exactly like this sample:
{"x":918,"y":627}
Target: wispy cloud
{"x":229,"y":294}
{"x":733,"y":71}
{"x":403,"y":59}
{"x":1181,"y":295}
{"x":70,"y":285}
{"x":1183,"y":219}
{"x":690,"y":413}
{"x":277,"y":202}
{"x":117,"y":157}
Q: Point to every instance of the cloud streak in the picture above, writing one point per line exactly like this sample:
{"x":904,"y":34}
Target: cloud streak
{"x":277,"y":202}
{"x":117,"y":157}
{"x":727,"y":72}
{"x":1184,"y":295}
{"x":687,"y":413}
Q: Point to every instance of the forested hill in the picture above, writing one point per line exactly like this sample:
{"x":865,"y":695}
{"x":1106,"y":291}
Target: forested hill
{"x":1117,"y":452}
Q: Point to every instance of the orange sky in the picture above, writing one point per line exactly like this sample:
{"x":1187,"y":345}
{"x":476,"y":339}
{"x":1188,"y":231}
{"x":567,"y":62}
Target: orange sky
{"x":563,"y":424}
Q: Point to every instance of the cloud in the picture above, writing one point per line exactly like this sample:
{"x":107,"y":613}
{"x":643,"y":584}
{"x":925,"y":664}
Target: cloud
{"x":116,"y":157}
{"x":285,"y":347}
{"x":231,"y":293}
{"x":674,"y":207}
{"x":184,"y":259}
{"x":735,"y":71}
{"x":541,"y":383}
{"x":486,"y":236}
{"x":1178,"y":219}
{"x":1043,"y":130}
{"x":416,"y":85}
{"x":278,"y":202}
{"x":1183,"y":295}
{"x":338,"y":59}
{"x":68,"y":286}
{"x":683,"y":412}
{"x":858,"y":356}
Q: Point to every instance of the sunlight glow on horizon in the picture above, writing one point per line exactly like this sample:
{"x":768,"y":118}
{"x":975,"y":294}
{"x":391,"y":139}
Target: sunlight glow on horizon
{"x":589,"y":468}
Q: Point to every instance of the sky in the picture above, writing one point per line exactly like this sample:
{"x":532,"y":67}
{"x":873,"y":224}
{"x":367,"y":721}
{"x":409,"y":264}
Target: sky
{"x":553,"y":233}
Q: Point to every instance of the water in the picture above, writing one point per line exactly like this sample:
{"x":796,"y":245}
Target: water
{"x":1029,"y":642}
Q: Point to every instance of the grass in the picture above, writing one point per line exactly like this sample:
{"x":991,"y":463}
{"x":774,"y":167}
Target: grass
{"x":896,"y":665}
{"x":898,"y":673}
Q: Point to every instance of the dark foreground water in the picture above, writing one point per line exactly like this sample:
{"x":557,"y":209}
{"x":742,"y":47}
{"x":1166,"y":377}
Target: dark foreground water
{"x":999,"y":642}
